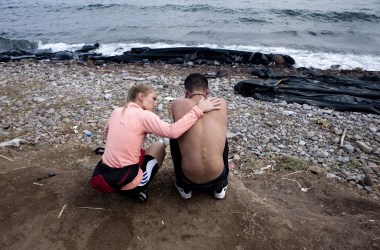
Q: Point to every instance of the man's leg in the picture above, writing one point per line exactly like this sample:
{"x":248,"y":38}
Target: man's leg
{"x":181,"y":186}
{"x":220,"y":192}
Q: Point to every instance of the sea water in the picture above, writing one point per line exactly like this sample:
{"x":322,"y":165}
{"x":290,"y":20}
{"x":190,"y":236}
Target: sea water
{"x":316,"y":34}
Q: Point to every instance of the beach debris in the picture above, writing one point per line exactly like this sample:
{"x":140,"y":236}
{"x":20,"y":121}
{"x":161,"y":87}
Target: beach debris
{"x":63,"y":209}
{"x":107,"y":96}
{"x":88,"y":133}
{"x":75,"y":129}
{"x":14,"y":142}
{"x":9,"y":159}
{"x":51,"y":174}
{"x":299,"y":185}
{"x":231,"y":165}
{"x":364,"y":147}
{"x":342,"y":138}
{"x":94,"y":208}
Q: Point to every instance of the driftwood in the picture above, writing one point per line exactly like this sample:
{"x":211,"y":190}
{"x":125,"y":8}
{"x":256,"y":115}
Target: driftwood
{"x":9,"y":159}
{"x":63,"y":209}
{"x":342,"y":138}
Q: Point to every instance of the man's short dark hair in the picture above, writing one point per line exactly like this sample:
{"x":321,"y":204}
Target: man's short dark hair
{"x":196,"y":81}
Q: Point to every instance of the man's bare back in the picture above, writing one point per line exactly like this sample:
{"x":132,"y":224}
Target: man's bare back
{"x":203,"y":144}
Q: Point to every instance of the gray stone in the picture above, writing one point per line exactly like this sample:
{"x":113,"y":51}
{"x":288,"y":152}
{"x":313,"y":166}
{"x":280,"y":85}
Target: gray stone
{"x":364,"y":147}
{"x":367,"y":170}
{"x":343,"y":159}
{"x":348,"y":148}
{"x":331,"y":175}
{"x":302,"y":143}
{"x":368,"y":189}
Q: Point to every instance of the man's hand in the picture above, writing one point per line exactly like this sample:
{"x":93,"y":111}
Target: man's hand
{"x":207,"y":105}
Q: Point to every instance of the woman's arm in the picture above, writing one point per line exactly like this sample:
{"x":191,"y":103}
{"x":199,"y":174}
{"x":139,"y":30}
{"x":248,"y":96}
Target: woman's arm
{"x":154,"y":125}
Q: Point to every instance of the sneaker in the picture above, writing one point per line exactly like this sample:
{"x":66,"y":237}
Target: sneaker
{"x":220,"y":193}
{"x":184,"y":195}
{"x":141,"y":197}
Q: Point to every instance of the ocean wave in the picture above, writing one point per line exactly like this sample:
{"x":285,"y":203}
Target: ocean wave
{"x":303,"y":57}
{"x":309,"y":58}
{"x":330,"y":16}
{"x":99,"y":6}
{"x":251,"y":20}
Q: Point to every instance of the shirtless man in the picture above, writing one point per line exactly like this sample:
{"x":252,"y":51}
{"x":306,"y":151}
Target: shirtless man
{"x":200,"y":155}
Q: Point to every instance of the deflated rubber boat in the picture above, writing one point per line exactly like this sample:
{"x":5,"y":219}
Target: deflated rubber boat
{"x":339,"y":93}
{"x":179,"y":55}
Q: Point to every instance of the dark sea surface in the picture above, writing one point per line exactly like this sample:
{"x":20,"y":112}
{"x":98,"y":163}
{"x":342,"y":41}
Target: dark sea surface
{"x":315,"y":33}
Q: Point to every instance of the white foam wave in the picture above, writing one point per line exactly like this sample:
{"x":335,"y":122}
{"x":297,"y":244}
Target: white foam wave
{"x":303,"y":58}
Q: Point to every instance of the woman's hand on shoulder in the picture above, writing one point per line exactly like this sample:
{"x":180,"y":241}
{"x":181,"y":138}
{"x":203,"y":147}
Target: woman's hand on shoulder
{"x":207,"y":105}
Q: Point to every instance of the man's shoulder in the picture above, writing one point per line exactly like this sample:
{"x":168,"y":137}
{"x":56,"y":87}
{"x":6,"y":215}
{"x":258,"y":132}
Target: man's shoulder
{"x":183,"y":101}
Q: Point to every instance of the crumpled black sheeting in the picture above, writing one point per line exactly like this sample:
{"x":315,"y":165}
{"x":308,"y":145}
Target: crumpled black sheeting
{"x":199,"y":55}
{"x":339,"y":93}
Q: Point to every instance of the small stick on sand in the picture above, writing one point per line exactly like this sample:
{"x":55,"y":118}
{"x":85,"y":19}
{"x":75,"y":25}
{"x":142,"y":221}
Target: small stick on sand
{"x":50,"y":134}
{"x":342,"y":138}
{"x":95,"y":208}
{"x":293,"y":173}
{"x":9,"y":159}
{"x":38,"y":184}
{"x":63,"y":209}
{"x":138,"y":238}
{"x":299,"y":185}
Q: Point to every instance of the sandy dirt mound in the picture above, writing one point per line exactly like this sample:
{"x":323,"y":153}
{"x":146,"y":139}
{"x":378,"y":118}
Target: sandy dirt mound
{"x":263,"y":212}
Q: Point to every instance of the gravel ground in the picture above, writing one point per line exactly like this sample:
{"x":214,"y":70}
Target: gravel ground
{"x":53,"y":103}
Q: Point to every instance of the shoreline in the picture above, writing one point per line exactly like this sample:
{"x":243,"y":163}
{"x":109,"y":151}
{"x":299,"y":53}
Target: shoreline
{"x":47,"y":103}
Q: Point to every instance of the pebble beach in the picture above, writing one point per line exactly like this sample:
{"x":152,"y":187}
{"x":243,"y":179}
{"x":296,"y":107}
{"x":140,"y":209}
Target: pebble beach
{"x":49,"y":104}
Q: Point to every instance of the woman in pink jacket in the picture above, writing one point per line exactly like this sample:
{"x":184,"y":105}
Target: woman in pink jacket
{"x":126,"y":167}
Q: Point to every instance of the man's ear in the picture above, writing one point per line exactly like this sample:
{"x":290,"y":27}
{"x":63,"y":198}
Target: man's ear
{"x":207,"y":92}
{"x":187,"y":94}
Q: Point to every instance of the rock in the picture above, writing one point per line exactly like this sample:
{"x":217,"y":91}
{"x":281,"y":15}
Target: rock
{"x":367,"y":180}
{"x":316,"y":170}
{"x":331,"y":175}
{"x":338,"y":131}
{"x":351,"y":178}
{"x":367,"y":170}
{"x":348,"y":148}
{"x":236,"y":157}
{"x":14,"y":142}
{"x":368,"y":189}
{"x":364,"y":147}
{"x":230,"y":135}
{"x":39,"y":99}
{"x":278,"y":59}
{"x":108,"y":96}
{"x":373,"y":129}
{"x":343,"y":159}
{"x":301,"y":143}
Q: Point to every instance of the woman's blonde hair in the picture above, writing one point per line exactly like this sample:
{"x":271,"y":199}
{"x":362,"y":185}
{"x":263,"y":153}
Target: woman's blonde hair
{"x":139,"y":88}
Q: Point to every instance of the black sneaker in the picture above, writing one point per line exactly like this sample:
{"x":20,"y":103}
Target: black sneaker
{"x":141,"y":197}
{"x":185,"y":194}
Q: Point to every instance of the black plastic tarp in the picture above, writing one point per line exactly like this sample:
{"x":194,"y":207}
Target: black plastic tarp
{"x":198,"y":55}
{"x":339,"y":93}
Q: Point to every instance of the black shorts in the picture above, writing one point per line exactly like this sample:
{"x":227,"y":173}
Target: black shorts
{"x":108,"y":179}
{"x":185,"y":183}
